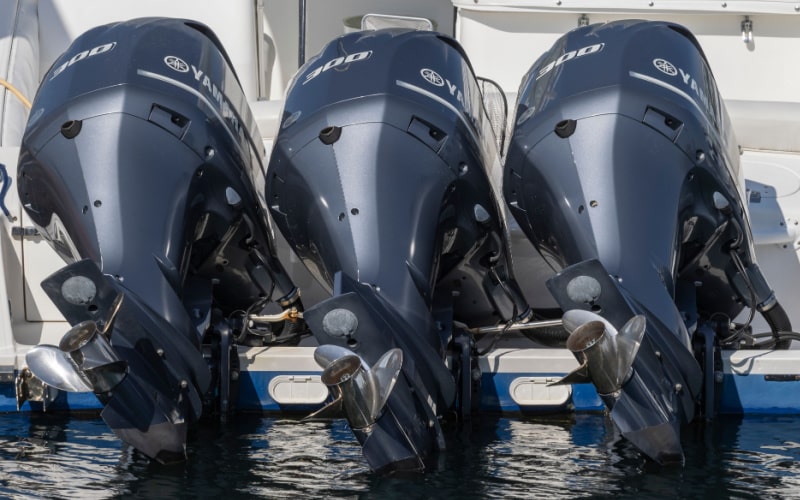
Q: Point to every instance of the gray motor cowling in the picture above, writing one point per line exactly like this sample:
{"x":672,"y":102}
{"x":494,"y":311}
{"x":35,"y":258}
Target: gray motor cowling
{"x":623,"y":171}
{"x":383,"y":180}
{"x":139,"y":165}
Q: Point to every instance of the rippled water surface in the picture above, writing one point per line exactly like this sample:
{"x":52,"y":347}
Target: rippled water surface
{"x":557,"y":457}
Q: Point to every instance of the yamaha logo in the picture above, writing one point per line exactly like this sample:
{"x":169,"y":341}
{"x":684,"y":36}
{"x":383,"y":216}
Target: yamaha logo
{"x":665,"y":67}
{"x":432,"y":77}
{"x":177,"y":64}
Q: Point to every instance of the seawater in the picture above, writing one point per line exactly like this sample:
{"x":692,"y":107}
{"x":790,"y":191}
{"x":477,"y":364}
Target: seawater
{"x":574,"y":456}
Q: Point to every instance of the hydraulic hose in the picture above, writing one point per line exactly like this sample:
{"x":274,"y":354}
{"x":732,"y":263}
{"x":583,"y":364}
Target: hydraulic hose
{"x":778,"y":321}
{"x":549,"y":337}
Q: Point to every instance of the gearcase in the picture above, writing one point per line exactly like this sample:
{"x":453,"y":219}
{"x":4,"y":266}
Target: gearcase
{"x":141,"y":165}
{"x":623,"y":171}
{"x":385,"y":180}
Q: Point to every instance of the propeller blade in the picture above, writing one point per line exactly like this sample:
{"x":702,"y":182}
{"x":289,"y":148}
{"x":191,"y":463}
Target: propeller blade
{"x":326,"y":354}
{"x":579,"y":375}
{"x":55,"y":368}
{"x":106,"y":377}
{"x":384,"y":375}
{"x":630,"y":338}
{"x":330,"y":410}
{"x":574,"y":318}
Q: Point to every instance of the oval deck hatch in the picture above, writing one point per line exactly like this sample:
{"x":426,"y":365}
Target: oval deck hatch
{"x":297,"y":389}
{"x":534,"y":391}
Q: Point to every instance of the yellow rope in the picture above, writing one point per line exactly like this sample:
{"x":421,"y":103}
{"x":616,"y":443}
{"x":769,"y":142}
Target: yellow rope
{"x":16,"y":92}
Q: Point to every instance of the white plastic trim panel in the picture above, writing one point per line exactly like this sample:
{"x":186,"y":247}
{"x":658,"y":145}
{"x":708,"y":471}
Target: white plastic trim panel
{"x":761,"y":362}
{"x":773,"y":126}
{"x":531,"y":360}
{"x":278,"y":359}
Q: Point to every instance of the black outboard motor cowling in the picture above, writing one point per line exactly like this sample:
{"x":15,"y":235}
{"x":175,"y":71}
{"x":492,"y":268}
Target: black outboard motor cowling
{"x":624,"y":172}
{"x":384,"y":179}
{"x":139,"y":165}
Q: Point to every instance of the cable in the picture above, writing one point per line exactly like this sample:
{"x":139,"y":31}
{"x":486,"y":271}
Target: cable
{"x":502,"y":332}
{"x":246,"y":322}
{"x":16,"y":92}
{"x":514,"y":312}
{"x":775,"y":338}
{"x":737,"y":261}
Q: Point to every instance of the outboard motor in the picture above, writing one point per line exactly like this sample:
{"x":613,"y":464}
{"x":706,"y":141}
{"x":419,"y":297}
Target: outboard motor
{"x":384,"y":180}
{"x":623,"y":171}
{"x":139,"y":165}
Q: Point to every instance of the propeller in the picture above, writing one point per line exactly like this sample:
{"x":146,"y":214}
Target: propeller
{"x":84,"y":361}
{"x":606,"y":356}
{"x":359,"y":391}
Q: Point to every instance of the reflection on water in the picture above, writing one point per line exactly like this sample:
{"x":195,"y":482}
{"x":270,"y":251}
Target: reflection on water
{"x":554,"y":457}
